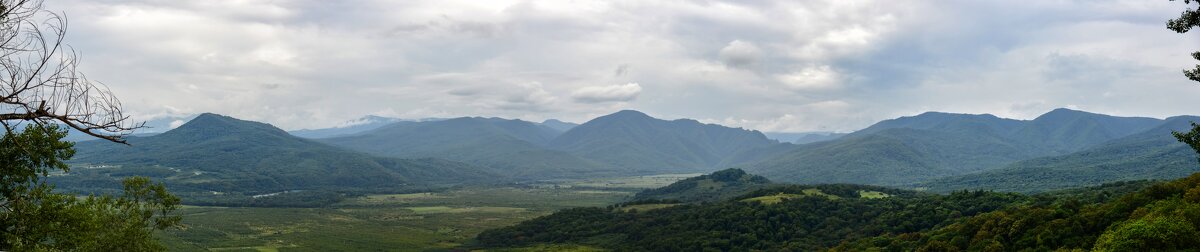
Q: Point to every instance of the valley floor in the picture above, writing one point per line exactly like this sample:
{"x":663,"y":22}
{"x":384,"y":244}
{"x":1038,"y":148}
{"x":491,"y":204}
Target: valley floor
{"x":396,"y":222}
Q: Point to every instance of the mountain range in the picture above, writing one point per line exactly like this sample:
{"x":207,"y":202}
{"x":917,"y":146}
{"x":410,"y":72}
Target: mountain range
{"x":934,"y":150}
{"x":223,"y":154}
{"x":935,"y":145}
{"x":516,"y":147}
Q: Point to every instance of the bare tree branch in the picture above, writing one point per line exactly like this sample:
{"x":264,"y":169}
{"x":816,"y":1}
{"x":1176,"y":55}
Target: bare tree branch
{"x":39,"y":80}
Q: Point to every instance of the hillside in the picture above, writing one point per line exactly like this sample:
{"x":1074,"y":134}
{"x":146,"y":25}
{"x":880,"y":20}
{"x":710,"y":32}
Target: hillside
{"x":516,"y":148}
{"x":786,"y":218}
{"x":633,"y":140}
{"x":1153,"y":154}
{"x":1161,"y":217}
{"x":223,"y":154}
{"x":1064,"y":131}
{"x":935,"y":145}
{"x":1129,"y":216}
{"x":891,"y":156}
{"x":719,"y":185}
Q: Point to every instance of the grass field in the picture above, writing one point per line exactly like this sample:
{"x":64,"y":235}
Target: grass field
{"x":773,"y":199}
{"x":872,"y":195}
{"x":436,"y":221}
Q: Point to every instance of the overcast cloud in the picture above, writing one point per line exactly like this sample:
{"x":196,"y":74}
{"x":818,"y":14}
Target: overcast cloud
{"x":835,"y":65}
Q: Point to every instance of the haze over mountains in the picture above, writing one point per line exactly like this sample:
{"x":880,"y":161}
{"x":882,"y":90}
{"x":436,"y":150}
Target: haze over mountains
{"x":938,"y":151}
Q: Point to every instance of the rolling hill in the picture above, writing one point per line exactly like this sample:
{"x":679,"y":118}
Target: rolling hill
{"x":222,"y":154}
{"x":633,"y":140}
{"x":718,"y":186}
{"x":515,"y":147}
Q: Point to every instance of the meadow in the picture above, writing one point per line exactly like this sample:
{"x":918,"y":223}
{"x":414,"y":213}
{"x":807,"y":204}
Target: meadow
{"x":426,"y":221}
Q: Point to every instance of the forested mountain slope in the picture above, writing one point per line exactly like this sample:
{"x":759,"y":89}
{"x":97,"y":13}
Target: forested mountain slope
{"x":1153,"y":154}
{"x":223,"y":154}
{"x":633,"y":140}
{"x":936,"y":145}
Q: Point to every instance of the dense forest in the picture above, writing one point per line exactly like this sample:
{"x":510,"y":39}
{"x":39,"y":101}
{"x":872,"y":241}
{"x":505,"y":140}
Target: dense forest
{"x":813,"y":221}
{"x":1111,"y":217}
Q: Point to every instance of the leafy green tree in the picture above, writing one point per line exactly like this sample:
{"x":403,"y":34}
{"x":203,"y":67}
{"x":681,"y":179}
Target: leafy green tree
{"x":36,"y":218}
{"x":1187,"y":20}
{"x":1191,"y":138}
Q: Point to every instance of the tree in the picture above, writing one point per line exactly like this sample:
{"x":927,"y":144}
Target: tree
{"x":1187,"y":20}
{"x":41,"y":89}
{"x":36,"y":218}
{"x":1191,"y":138}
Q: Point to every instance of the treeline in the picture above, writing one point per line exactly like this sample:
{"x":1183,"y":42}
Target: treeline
{"x":799,"y":224}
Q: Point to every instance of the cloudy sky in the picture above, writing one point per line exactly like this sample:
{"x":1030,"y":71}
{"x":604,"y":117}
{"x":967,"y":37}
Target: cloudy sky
{"x":835,"y":65}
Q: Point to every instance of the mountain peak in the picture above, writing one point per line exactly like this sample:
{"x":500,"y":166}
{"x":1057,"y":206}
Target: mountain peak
{"x":630,"y":114}
{"x":207,"y":119}
{"x":210,"y":123}
{"x":1062,"y":113}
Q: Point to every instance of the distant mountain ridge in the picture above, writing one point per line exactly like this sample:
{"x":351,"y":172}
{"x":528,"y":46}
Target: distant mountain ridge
{"x":935,"y":145}
{"x":803,"y":137}
{"x":1151,"y":154}
{"x":225,"y":154}
{"x":931,"y":148}
{"x":514,"y":146}
{"x":633,"y":140}
{"x":351,"y":127}
{"x":626,"y":142}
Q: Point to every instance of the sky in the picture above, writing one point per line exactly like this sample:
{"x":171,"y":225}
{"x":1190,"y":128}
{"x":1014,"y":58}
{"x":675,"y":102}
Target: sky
{"x":776,"y":66}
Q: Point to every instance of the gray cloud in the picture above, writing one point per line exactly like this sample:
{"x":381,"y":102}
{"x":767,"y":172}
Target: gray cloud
{"x":813,"y":65}
{"x":740,"y":54}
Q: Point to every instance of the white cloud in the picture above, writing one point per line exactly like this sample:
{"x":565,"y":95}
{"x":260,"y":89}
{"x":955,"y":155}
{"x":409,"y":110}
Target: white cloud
{"x":614,"y":93}
{"x":813,"y":78}
{"x":311,"y":64}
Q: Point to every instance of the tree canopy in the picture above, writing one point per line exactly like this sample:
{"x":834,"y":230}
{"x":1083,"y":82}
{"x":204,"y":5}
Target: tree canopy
{"x":1187,"y":20}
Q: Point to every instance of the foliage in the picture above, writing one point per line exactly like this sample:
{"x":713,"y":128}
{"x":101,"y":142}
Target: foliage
{"x":1191,"y":138}
{"x":798,"y":224}
{"x":35,"y":218}
{"x":1188,"y":19}
{"x":1163,"y":216}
